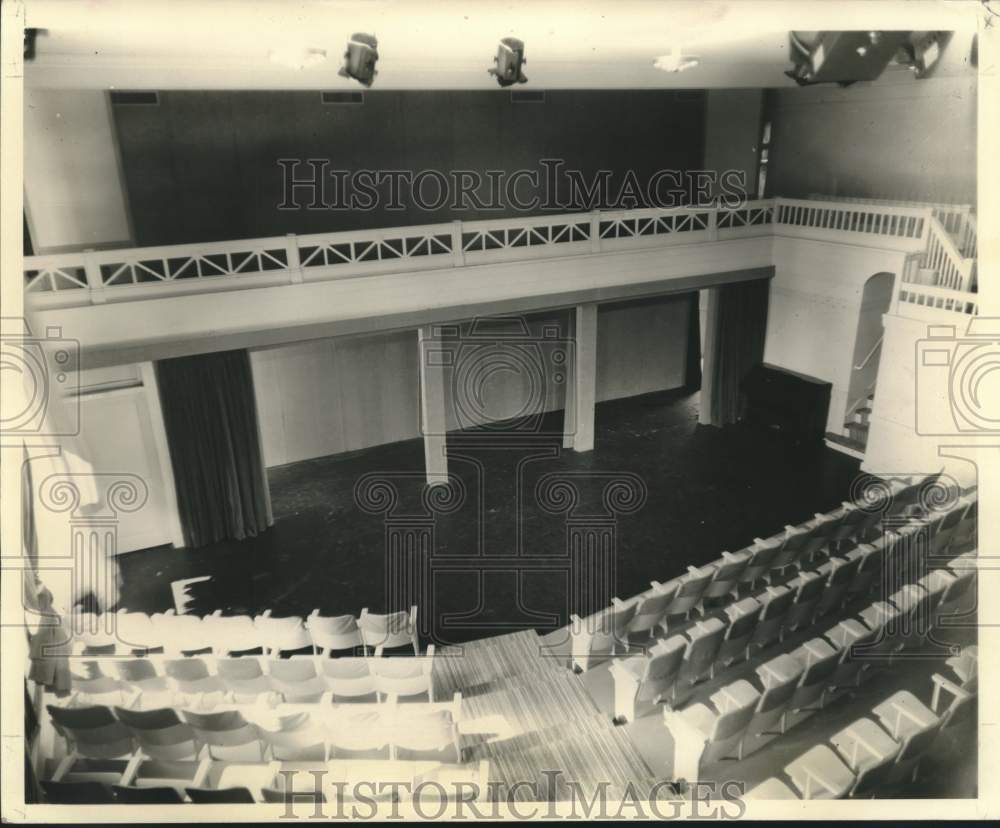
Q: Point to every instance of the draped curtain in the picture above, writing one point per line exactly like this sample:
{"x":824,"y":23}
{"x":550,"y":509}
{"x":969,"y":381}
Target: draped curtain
{"x":210,"y":414}
{"x":734,"y":343}
{"x":692,"y":366}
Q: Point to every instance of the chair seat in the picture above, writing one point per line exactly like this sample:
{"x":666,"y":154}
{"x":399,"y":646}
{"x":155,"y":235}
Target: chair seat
{"x":820,"y":774}
{"x":904,"y":715}
{"x":864,"y":745}
{"x":701,"y":717}
{"x":772,"y":788}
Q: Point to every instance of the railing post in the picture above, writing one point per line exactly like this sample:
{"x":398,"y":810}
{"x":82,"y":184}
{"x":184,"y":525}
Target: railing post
{"x":595,"y":231}
{"x":94,"y":282}
{"x":295,"y":274}
{"x":713,"y":224}
{"x":456,"y":243}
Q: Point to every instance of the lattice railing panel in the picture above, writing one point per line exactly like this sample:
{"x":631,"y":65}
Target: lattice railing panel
{"x":54,"y":279}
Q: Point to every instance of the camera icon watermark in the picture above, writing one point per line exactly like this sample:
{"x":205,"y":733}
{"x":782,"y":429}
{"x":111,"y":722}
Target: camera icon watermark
{"x":40,"y":380}
{"x":958,"y":380}
{"x":503,"y":374}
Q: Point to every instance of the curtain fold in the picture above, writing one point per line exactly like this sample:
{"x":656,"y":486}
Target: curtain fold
{"x":734,"y":343}
{"x":210,"y":414}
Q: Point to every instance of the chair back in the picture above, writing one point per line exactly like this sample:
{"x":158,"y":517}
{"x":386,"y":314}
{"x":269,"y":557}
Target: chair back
{"x":146,"y":795}
{"x":349,"y":679}
{"x":231,"y":633}
{"x":404,"y":676}
{"x":298,"y":738}
{"x":725,"y":574}
{"x":93,"y":731}
{"x":651,"y":608}
{"x":160,"y":733}
{"x":394,"y":629}
{"x":337,"y":632}
{"x":228,"y":735}
{"x":296,"y":679}
{"x":359,"y":735}
{"x":279,"y":635}
{"x":77,"y":793}
{"x":690,"y":591}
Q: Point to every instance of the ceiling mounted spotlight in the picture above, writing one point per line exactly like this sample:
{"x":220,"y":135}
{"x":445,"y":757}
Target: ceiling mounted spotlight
{"x":509,"y":60}
{"x":922,"y":52}
{"x":674,"y":61}
{"x":360,"y":58}
{"x":841,"y":57}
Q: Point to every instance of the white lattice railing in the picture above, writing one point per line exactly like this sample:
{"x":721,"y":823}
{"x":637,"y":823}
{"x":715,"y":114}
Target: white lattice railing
{"x":958,"y":219}
{"x":909,"y":296}
{"x":94,"y":277}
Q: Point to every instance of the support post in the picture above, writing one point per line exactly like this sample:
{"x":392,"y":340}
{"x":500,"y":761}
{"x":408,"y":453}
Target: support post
{"x":433,"y":424}
{"x":710,"y":356}
{"x":584,"y":384}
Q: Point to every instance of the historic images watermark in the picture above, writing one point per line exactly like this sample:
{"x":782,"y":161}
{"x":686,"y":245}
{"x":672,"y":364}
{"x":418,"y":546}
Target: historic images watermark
{"x":40,"y":377}
{"x":313,"y":794}
{"x":315,"y":184}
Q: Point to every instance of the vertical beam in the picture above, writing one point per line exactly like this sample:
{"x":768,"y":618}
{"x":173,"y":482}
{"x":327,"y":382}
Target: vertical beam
{"x":569,"y":401}
{"x":432,"y":404}
{"x":162,"y":449}
{"x":584,"y":376}
{"x":709,"y":351}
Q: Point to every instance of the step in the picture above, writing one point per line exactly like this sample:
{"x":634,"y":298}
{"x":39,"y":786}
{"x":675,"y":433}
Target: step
{"x":845,"y":445}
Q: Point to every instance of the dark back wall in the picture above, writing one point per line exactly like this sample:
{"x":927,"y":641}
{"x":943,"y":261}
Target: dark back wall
{"x":203,"y":166}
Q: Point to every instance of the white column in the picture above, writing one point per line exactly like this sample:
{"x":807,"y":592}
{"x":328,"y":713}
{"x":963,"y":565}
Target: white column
{"x":709,"y":355}
{"x":433,"y":423}
{"x":582,"y":390}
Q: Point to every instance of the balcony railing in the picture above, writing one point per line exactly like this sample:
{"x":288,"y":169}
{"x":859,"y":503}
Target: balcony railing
{"x":96,"y":277}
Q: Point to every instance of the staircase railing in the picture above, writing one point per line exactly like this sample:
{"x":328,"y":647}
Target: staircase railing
{"x":942,"y":254}
{"x":871,"y":353}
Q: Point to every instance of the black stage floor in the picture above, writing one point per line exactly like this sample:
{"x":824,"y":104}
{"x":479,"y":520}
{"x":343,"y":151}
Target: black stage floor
{"x":495,"y":550}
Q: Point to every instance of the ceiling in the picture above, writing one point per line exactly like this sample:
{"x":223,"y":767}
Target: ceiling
{"x":261,"y":44}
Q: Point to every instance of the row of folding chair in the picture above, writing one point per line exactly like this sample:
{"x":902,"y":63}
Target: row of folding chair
{"x":137,"y":633}
{"x":669,"y":671}
{"x":878,"y":754}
{"x":850,"y":572}
{"x":299,"y":679}
{"x":413,"y":732}
{"x":148,"y":781}
{"x":741,"y":717}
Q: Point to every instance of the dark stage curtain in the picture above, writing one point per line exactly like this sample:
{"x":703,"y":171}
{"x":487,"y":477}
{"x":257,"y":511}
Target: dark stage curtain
{"x":210,"y":413}
{"x":734,"y":343}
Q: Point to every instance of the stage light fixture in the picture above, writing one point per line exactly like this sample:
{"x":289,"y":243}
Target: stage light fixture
{"x":360,"y":58}
{"x":509,"y":62}
{"x":921,"y":53}
{"x":841,"y":57}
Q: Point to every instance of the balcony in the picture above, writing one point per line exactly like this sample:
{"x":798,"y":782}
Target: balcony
{"x":297,"y":287}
